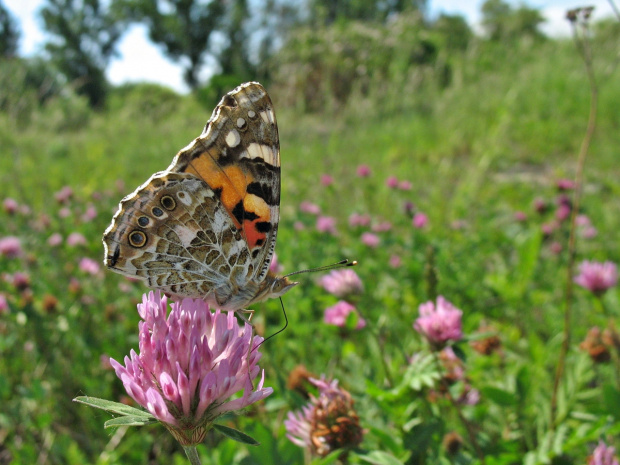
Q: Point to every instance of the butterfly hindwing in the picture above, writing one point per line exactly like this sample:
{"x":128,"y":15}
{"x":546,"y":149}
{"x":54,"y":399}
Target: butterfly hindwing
{"x":175,"y":234}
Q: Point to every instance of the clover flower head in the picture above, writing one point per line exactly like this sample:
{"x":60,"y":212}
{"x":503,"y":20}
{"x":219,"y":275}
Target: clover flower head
{"x":439,"y":323}
{"x":342,"y":283}
{"x":597,"y":277}
{"x":328,"y":422}
{"x":191,"y":362}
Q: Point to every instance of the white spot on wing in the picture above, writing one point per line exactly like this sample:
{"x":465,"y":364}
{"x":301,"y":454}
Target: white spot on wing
{"x":233,"y":138}
{"x":251,"y":113}
{"x":240,"y":122}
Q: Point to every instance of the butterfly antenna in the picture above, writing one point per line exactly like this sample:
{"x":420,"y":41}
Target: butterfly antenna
{"x":333,"y":266}
{"x":281,"y":329}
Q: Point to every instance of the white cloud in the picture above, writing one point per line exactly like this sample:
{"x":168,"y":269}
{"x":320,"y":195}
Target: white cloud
{"x":140,"y":60}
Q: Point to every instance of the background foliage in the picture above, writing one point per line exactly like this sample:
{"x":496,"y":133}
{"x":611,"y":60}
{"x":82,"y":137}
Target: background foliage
{"x":475,"y":128}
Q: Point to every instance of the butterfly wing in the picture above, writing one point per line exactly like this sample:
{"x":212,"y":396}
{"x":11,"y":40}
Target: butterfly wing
{"x":238,"y":155}
{"x":206,"y":227}
{"x":174,"y":234}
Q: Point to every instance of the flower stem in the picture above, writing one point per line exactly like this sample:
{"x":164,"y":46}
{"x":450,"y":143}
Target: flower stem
{"x":583,"y":47}
{"x":192,"y":455}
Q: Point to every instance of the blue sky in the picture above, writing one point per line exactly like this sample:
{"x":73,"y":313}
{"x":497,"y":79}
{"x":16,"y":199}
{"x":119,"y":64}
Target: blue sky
{"x":140,"y":60}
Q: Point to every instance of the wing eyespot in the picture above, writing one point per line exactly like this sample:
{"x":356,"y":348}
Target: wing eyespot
{"x":168,"y":202}
{"x":144,"y":221}
{"x":137,"y":239}
{"x":157,"y":211}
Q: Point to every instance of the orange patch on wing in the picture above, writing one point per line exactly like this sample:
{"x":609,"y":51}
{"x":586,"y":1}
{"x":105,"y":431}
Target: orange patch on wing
{"x":253,"y":203}
{"x":231,"y":180}
{"x":252,"y":236}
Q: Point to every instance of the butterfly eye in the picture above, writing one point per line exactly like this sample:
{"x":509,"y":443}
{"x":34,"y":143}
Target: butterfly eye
{"x":144,"y":221}
{"x":168,"y":202}
{"x":137,"y":238}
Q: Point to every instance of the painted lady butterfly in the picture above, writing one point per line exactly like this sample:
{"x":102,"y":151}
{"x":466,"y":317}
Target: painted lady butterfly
{"x":206,"y":227}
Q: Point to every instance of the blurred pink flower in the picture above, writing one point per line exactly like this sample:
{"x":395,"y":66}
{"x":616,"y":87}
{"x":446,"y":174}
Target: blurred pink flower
{"x":395,"y":261}
{"x":392,"y":182}
{"x":10,"y":247}
{"x":382,"y":227}
{"x":563,"y":212}
{"x":90,"y":214}
{"x":597,"y":277}
{"x":326,"y":224}
{"x":326,"y":180}
{"x":563,"y":199}
{"x":20,"y":280}
{"x":75,"y":238}
{"x":190,"y":362}
{"x":540,"y":205}
{"x":555,"y":247}
{"x":603,"y":455}
{"x":405,"y":185}
{"x":309,"y":207}
{"x":363,"y":171}
{"x":342,"y":283}
{"x":64,"y":212}
{"x":408,"y":207}
{"x":64,"y":195}
{"x":298,"y":226}
{"x":54,"y":240}
{"x":337,"y":314}
{"x":90,"y":266}
{"x":582,"y":220}
{"x":548,"y":228}
{"x":275,"y":266}
{"x":104,"y":362}
{"x":520,"y":216}
{"x":420,"y":220}
{"x":370,"y":239}
{"x":458,"y":224}
{"x":565,"y":184}
{"x":439,"y":324}
{"x":357,"y":219}
{"x":10,"y":206}
{"x":589,"y":232}
{"x":4,"y":304}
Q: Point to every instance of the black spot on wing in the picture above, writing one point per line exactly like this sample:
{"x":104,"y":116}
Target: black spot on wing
{"x":265,"y":192}
{"x":263,"y":226}
{"x":241,"y":213}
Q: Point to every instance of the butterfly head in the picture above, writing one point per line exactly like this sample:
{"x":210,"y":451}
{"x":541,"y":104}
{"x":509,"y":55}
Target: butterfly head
{"x":280,"y":286}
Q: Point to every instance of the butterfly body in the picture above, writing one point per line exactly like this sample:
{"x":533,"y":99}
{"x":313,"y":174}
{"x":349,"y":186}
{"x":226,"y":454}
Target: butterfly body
{"x":206,"y":226}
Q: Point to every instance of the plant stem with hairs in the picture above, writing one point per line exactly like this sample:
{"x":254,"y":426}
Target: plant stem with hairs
{"x":579,"y":20}
{"x":466,"y":424}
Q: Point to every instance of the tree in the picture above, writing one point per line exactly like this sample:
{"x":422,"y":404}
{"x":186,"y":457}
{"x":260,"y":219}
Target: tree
{"x":85,"y":36}
{"x":328,"y":11}
{"x":501,"y":21}
{"x":9,"y":33}
{"x":183,"y":27}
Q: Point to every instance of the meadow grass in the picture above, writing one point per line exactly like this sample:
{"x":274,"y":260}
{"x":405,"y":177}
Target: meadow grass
{"x":500,"y":136}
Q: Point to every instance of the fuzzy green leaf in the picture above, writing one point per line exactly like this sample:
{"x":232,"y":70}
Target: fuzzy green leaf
{"x":114,"y":407}
{"x":129,"y":420}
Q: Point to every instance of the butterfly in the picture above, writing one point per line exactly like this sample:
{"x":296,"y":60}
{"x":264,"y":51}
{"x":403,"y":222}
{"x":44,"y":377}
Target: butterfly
{"x":206,"y":227}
